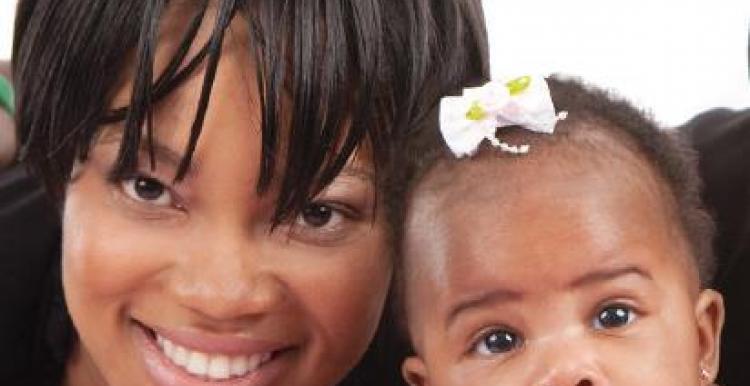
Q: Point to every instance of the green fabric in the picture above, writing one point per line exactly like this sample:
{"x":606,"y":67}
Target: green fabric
{"x":6,"y":96}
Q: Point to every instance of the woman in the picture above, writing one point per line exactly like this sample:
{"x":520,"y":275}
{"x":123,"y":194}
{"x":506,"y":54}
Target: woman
{"x":216,"y":167}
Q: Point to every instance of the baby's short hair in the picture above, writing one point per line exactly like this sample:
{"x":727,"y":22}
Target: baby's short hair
{"x":592,"y":112}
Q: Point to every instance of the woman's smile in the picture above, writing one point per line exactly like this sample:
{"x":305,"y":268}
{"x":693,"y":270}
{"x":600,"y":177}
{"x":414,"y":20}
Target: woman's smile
{"x":187,"y":356}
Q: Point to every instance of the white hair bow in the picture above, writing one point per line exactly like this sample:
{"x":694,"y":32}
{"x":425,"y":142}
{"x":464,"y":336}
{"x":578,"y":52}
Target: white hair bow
{"x":467,"y":120}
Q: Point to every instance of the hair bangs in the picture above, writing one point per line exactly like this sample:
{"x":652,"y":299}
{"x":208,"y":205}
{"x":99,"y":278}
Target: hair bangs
{"x":59,"y":97}
{"x":334,"y":64}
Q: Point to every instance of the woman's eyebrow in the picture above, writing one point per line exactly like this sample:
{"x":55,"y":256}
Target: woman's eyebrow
{"x":163,"y":154}
{"x":172,"y":158}
{"x":359,"y":172}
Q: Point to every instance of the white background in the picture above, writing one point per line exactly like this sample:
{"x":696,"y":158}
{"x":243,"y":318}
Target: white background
{"x":673,"y":57}
{"x":7,"y":13}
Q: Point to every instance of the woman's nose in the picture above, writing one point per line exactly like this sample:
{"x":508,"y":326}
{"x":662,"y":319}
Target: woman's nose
{"x":228,"y":278}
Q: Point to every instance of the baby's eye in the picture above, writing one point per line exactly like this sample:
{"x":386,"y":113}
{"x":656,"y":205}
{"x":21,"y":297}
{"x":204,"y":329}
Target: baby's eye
{"x":496,"y":342}
{"x":147,"y":190}
{"x":614,"y":316}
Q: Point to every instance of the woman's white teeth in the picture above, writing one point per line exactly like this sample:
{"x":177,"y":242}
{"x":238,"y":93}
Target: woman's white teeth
{"x":238,"y":366}
{"x":218,"y":368}
{"x":211,"y":366}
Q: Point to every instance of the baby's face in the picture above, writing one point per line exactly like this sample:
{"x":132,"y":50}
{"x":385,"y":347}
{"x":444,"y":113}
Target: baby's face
{"x":535,"y":273}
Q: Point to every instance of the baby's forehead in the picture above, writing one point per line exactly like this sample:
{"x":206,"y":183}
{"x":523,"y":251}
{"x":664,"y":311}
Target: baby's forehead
{"x":565,"y":156}
{"x":570,"y":187}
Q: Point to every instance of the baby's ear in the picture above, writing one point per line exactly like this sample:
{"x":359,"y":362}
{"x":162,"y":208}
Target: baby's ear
{"x":414,"y":372}
{"x":709,"y":312}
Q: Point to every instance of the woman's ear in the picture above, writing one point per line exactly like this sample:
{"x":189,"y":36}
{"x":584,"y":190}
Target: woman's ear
{"x":414,"y":372}
{"x":709,"y":313}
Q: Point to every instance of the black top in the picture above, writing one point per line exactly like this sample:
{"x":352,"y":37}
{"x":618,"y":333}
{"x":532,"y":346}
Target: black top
{"x":722,"y":138}
{"x":35,"y":332}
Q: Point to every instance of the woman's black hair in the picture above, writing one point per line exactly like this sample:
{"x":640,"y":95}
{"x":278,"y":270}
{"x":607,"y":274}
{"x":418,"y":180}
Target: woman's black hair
{"x":352,"y":70}
{"x":376,"y":65}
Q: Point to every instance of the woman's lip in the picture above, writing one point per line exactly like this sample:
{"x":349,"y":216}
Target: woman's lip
{"x":213,"y":343}
{"x":165,"y":373}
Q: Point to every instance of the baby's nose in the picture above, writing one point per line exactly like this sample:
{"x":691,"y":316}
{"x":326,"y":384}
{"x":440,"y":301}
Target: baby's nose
{"x":583,"y":381}
{"x":572,"y":373}
{"x":568,"y":360}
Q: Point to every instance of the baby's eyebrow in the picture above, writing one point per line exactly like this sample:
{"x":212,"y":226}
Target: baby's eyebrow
{"x":504,"y":295}
{"x":500,"y":295}
{"x":608,"y":274}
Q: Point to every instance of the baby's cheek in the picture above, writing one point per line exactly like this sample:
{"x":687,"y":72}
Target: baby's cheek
{"x":479,"y":372}
{"x":664,"y":354}
{"x":681,"y":343}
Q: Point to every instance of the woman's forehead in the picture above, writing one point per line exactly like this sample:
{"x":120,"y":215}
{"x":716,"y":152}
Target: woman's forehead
{"x":173,"y":28}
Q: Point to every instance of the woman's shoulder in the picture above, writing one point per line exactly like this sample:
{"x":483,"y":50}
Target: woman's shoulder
{"x":722,"y":140}
{"x":29,"y":272}
{"x":29,"y":238}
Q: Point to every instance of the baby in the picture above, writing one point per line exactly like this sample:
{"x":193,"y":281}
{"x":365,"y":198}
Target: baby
{"x":579,"y":258}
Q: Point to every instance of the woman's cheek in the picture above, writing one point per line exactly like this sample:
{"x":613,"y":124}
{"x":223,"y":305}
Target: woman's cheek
{"x":106,"y":255}
{"x":343,"y":290}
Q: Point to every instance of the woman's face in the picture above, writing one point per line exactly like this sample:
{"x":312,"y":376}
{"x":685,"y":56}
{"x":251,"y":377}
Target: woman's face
{"x":184,"y":284}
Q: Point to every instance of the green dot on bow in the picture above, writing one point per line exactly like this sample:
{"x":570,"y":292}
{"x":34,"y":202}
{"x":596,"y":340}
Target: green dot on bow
{"x":518,"y":85}
{"x":476,"y":112}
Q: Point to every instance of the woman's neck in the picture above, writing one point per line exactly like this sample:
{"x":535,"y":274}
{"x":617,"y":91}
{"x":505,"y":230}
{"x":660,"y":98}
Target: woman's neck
{"x":81,"y":370}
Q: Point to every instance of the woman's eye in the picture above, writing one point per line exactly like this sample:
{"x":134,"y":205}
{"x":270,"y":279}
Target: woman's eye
{"x":325,"y":223}
{"x":147,"y":190}
{"x":614,"y":316}
{"x":316,"y":215}
{"x":497,"y":342}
